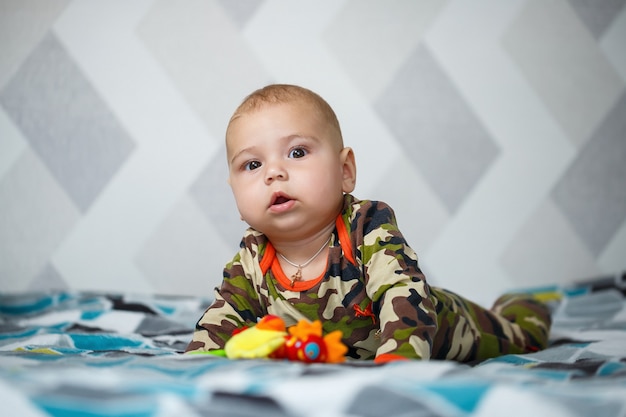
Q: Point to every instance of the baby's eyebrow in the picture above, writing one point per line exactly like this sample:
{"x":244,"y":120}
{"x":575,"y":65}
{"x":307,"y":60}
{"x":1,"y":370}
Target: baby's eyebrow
{"x":305,"y":137}
{"x":241,"y":152}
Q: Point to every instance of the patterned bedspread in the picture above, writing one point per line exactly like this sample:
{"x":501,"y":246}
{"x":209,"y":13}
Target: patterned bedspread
{"x":88,"y":354}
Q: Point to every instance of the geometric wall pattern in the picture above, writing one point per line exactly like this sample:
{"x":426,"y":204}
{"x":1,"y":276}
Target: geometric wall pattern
{"x":496,"y":130}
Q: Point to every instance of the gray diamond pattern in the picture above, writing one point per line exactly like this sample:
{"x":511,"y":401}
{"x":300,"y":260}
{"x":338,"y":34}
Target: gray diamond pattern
{"x":592,"y":192}
{"x":212,"y":194}
{"x":597,"y":15}
{"x":242,"y":10}
{"x":446,"y":142}
{"x":66,"y":122}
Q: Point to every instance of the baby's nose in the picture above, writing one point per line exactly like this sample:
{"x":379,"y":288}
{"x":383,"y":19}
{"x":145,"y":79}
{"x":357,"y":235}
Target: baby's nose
{"x":275,"y":172}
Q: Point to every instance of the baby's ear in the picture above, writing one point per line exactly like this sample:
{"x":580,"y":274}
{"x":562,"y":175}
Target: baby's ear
{"x":348,"y":164}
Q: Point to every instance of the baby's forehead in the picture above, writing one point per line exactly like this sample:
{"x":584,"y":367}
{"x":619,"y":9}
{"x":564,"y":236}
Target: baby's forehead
{"x":311,"y":112}
{"x":267,"y":106}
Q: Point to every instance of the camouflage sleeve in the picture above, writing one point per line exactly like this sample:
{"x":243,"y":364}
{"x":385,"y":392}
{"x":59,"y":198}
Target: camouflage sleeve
{"x":236,"y":305}
{"x":397,"y":287}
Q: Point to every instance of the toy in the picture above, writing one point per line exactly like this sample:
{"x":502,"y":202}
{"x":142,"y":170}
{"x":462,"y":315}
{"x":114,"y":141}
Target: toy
{"x":269,"y":338}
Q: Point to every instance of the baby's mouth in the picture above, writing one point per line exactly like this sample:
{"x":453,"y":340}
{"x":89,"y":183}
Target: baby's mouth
{"x":278,"y":199}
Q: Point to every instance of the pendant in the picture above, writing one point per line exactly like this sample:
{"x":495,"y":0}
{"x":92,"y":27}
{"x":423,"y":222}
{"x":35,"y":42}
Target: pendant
{"x":297,"y":276}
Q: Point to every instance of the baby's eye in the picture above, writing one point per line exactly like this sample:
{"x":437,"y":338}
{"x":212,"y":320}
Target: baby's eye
{"x":252,"y":165}
{"x":297,"y":152}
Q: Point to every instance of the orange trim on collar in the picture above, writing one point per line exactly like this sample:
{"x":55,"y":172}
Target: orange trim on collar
{"x":270,"y":260}
{"x":268,"y":257}
{"x":344,"y":239}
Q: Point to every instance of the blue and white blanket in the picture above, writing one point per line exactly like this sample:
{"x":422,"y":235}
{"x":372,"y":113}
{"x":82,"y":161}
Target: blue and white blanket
{"x":89,"y":354}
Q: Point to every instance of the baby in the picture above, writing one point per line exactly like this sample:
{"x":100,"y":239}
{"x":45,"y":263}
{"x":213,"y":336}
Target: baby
{"x":316,"y":252}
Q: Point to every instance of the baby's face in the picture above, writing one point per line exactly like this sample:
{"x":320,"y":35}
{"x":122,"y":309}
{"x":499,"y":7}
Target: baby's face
{"x":286,"y":170}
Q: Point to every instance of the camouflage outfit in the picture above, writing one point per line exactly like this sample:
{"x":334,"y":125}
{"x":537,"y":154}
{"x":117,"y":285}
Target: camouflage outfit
{"x":374,"y":292}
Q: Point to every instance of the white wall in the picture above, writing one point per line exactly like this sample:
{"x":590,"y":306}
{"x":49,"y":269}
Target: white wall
{"x":495,"y":129}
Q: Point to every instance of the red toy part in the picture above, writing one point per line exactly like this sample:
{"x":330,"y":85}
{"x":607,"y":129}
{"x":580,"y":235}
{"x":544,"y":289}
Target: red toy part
{"x":306,"y":344}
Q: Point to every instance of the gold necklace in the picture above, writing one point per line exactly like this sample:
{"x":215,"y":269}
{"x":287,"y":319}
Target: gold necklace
{"x":298,"y":275}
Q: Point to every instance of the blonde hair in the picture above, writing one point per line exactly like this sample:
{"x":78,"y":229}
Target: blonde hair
{"x":287,"y":93}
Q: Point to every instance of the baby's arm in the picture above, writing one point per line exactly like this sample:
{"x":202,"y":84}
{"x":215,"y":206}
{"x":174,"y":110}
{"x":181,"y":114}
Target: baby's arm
{"x":407,"y":322}
{"x":215,"y":326}
{"x":406,"y":312}
{"x":234,"y":307}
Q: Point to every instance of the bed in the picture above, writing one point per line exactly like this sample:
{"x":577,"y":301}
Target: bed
{"x":96,"y":354}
